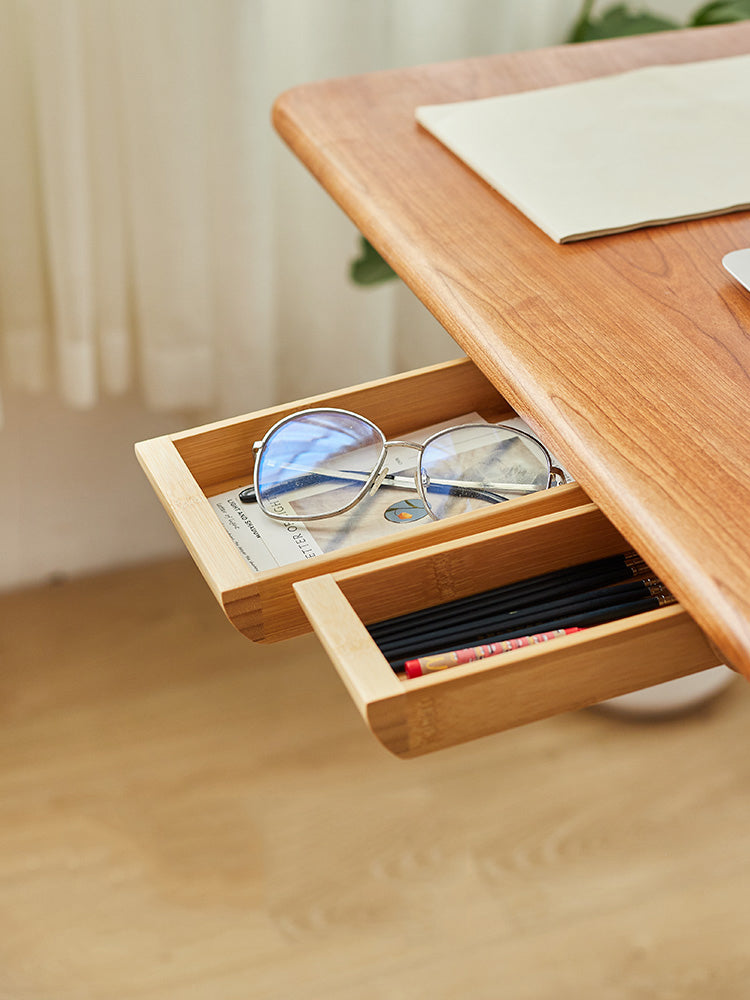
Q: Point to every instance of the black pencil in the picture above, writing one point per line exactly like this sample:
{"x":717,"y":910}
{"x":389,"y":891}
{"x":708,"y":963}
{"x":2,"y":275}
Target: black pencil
{"x":610,"y":569}
{"x":498,"y":603}
{"x":584,"y":619}
{"x":499,"y":599}
{"x":475,"y":628}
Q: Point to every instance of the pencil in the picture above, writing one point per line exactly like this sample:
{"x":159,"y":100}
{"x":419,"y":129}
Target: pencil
{"x":441,"y":661}
{"x":500,"y":601}
{"x":581,"y":619}
{"x":610,"y":569}
{"x":476,"y":627}
{"x":487,"y":616}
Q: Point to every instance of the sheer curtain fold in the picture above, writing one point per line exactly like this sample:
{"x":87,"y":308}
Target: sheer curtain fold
{"x":164,"y":70}
{"x":24,"y":319}
{"x":154,"y":232}
{"x":59,"y":92}
{"x":111,"y":273}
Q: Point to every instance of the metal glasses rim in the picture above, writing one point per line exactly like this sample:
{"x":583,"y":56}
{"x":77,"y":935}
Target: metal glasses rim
{"x":385,"y":445}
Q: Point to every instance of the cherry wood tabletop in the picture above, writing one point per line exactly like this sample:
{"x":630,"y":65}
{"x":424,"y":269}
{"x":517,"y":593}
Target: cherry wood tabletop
{"x":628,"y":353}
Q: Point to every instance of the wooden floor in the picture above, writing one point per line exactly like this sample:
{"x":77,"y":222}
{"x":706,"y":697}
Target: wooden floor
{"x":187,"y":816}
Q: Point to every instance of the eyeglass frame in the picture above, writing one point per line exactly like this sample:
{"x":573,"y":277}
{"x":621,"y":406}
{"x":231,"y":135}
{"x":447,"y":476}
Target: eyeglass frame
{"x":251,"y":494}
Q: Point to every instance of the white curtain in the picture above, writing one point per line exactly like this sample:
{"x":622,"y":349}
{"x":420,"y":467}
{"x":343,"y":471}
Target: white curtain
{"x":157,"y":237}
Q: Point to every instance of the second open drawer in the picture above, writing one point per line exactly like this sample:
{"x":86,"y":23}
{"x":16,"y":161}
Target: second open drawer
{"x":416,"y":716}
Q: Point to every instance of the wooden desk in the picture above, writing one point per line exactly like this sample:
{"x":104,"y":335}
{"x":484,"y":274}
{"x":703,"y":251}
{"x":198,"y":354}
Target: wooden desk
{"x":629,"y":353}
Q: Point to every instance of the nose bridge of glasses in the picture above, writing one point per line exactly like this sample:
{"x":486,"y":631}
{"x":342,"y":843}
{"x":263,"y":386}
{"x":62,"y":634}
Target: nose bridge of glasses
{"x":384,"y":471}
{"x":404,"y":444}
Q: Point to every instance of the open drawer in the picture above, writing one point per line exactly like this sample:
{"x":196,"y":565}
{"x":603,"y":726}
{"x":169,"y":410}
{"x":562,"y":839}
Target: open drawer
{"x":419,"y":715}
{"x":188,"y":468}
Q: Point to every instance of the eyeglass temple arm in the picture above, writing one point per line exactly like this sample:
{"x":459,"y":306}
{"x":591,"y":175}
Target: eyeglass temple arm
{"x":480,"y":490}
{"x":248,"y":495}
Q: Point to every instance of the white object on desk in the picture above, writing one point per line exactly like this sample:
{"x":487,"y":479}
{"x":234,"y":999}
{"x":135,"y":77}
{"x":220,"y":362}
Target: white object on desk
{"x":651,"y":145}
{"x":738,"y":264}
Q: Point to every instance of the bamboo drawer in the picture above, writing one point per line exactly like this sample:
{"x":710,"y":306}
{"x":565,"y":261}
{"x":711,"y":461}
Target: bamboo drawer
{"x":188,"y":468}
{"x":461,"y":703}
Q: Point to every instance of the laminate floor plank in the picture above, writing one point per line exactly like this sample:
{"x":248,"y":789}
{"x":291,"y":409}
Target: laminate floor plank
{"x":184,"y":814}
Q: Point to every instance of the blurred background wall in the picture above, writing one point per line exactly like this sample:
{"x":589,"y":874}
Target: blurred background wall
{"x":165,"y":260}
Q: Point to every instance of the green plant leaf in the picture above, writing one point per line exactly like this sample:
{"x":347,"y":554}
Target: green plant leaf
{"x":618,"y":21}
{"x":370,"y":268}
{"x":721,"y":12}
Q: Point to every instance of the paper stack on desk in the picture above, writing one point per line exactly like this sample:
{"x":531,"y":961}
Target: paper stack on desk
{"x":652,"y":145}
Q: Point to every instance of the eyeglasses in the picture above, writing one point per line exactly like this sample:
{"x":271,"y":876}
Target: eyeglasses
{"x":318,"y":463}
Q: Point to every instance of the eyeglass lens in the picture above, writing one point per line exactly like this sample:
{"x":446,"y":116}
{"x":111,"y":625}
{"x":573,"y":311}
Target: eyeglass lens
{"x":466,"y":468}
{"x":319,"y":461}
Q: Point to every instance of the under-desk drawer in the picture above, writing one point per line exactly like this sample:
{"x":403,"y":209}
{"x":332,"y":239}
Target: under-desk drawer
{"x":188,"y":468}
{"x":416,"y":716}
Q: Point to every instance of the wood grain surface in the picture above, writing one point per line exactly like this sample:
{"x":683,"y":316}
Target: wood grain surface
{"x":185,"y":815}
{"x":629,"y":353}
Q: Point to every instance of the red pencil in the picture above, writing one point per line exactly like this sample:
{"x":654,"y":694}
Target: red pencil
{"x":439,"y":661}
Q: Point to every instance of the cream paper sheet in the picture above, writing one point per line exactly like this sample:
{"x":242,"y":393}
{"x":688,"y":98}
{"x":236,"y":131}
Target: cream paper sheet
{"x":648,"y":146}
